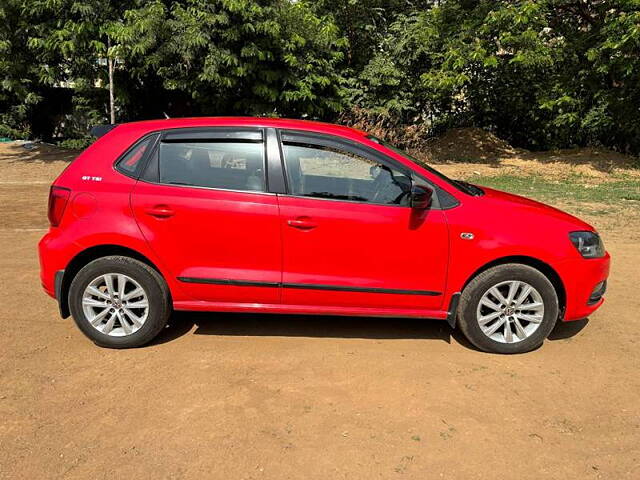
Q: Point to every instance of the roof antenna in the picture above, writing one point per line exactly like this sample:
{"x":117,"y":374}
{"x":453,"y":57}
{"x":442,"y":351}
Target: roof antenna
{"x":165,"y":115}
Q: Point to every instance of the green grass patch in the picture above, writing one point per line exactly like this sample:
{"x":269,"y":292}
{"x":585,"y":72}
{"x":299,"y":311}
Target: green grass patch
{"x":615,"y":193}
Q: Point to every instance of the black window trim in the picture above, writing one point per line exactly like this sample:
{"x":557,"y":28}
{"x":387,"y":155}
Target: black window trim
{"x":197,"y":131}
{"x":219,"y":134}
{"x":340,"y":143}
{"x":276,"y":179}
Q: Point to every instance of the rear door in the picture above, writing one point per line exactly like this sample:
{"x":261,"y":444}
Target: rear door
{"x":203,"y":206}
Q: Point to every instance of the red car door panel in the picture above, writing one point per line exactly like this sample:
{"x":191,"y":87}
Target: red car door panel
{"x":221,"y":242}
{"x":224,"y":246}
{"x":362,"y":255}
{"x":350,"y":237}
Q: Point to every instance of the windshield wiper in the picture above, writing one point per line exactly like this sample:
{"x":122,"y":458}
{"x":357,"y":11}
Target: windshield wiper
{"x":469,"y":188}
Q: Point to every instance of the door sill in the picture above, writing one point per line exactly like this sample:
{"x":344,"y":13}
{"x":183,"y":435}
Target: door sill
{"x":200,"y":306}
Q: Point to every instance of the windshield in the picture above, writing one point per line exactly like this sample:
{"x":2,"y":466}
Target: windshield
{"x":458,"y":184}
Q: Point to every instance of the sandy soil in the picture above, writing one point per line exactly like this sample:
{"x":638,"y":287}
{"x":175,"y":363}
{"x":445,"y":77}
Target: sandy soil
{"x":267,"y":397}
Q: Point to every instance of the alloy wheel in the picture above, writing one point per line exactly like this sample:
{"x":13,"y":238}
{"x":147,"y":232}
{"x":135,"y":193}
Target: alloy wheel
{"x":115,"y":304}
{"x":510,"y":312}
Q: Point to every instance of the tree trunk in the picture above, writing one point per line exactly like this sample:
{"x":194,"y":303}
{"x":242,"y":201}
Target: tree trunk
{"x":112,"y":103}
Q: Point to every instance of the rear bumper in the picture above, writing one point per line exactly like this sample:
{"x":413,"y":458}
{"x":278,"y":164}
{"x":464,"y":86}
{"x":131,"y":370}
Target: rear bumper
{"x":49,"y":263}
{"x":47,"y":273}
{"x":580,"y":278}
{"x":54,"y":255}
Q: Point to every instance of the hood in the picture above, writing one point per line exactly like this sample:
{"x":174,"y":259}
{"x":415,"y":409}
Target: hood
{"x":509,"y":200}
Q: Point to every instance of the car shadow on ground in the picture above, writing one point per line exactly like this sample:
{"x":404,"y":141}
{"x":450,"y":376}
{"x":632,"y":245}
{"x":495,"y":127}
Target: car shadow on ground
{"x":269,"y":325}
{"x":36,"y":153}
{"x":565,"y":330}
{"x":266,"y":325}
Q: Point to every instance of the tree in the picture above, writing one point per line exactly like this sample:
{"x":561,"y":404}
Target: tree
{"x":20,"y":77}
{"x":189,"y":57}
{"x":542,"y":73}
{"x":238,"y":56}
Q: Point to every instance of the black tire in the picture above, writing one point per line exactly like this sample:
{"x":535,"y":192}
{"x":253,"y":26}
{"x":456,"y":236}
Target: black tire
{"x":474,"y":291}
{"x":148,"y":278}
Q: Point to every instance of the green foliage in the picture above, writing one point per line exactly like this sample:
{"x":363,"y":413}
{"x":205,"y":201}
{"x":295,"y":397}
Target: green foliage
{"x":237,"y":56}
{"x":618,"y":194}
{"x":18,"y":73}
{"x":540,"y":73}
{"x":76,"y":143}
{"x":82,"y":114}
{"x":181,"y":57}
{"x":8,"y":132}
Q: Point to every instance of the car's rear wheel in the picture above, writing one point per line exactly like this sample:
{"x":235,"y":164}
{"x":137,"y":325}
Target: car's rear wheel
{"x":119,"y":302}
{"x":509,"y":308}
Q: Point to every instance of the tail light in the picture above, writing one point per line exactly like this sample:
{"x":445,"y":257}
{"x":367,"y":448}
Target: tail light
{"x":58,"y":198}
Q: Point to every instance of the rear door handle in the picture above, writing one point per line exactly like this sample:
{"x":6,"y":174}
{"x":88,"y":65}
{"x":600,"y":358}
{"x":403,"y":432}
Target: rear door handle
{"x":302,"y":224}
{"x":160,"y":211}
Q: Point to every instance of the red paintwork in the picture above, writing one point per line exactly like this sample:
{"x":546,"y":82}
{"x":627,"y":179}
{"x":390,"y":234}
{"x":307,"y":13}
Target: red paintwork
{"x":346,"y":248}
{"x":212,"y":234}
{"x":191,"y":232}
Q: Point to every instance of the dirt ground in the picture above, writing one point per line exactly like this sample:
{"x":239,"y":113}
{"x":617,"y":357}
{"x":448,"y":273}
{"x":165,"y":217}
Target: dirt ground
{"x":276,"y":397}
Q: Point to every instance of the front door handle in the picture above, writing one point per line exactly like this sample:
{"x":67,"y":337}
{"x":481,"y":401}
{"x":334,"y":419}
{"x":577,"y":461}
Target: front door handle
{"x":160,"y":211}
{"x":302,"y":223}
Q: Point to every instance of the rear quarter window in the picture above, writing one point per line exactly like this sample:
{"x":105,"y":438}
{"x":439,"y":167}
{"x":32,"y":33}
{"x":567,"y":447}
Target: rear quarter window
{"x":130,"y":162}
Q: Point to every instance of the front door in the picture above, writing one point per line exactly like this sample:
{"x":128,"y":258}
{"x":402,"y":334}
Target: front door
{"x":350,"y":238}
{"x":202,"y":206}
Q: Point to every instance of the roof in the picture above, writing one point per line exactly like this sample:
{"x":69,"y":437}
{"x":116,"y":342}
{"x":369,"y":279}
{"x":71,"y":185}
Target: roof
{"x":308,"y":125}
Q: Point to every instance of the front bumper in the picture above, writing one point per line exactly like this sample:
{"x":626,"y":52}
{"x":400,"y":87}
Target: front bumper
{"x":598,"y":292}
{"x":581,"y":277}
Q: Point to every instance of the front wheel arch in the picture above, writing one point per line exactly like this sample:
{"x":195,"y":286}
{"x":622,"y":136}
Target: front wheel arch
{"x":88,"y":255}
{"x":546,"y":269}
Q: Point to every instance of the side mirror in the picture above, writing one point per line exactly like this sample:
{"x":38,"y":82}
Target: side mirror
{"x":420,"y":197}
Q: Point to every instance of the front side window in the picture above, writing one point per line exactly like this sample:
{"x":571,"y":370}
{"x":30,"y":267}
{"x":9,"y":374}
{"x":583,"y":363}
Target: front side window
{"x":226,"y":165}
{"x":327,"y":172}
{"x":458,"y":184}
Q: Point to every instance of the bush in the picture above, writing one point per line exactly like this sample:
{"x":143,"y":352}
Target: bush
{"x":76,"y":143}
{"x":13,"y":133}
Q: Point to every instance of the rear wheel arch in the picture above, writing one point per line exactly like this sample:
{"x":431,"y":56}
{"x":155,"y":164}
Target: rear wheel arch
{"x":546,"y":269}
{"x":88,"y":255}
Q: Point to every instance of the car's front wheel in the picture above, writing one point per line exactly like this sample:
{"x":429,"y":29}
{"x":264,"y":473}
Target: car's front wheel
{"x":119,"y":302}
{"x":509,"y":308}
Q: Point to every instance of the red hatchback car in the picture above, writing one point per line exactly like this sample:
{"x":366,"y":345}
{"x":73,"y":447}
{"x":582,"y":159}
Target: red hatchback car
{"x":290,"y":216}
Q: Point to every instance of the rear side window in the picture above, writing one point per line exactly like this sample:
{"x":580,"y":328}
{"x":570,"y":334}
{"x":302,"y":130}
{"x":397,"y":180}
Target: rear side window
{"x":130,"y":162}
{"x":227,"y":164}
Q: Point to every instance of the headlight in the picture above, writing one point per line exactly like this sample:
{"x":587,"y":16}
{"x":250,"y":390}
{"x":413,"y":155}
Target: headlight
{"x":588,"y":244}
